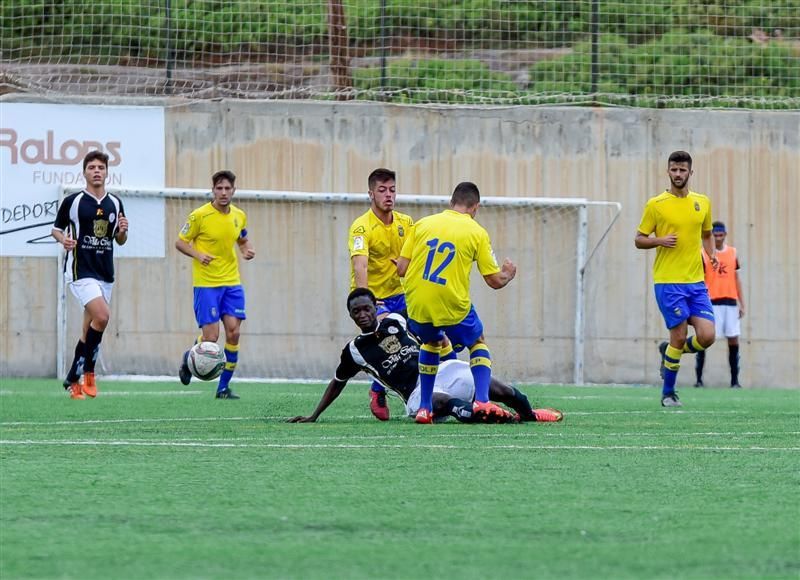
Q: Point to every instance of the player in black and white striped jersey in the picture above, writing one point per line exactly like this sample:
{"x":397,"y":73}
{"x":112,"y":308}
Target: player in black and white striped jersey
{"x":389,"y":354}
{"x":87,"y":225}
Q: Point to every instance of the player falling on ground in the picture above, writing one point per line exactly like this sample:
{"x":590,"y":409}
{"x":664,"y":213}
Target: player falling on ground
{"x":87,"y":225}
{"x":681,"y":222}
{"x":436,"y":262}
{"x":387,"y":352}
{"x":210,"y":237}
{"x":725,"y":290}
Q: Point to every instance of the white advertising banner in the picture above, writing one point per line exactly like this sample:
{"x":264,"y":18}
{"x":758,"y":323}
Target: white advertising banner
{"x":41,"y":151}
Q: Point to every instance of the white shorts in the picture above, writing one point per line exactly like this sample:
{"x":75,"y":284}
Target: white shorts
{"x":453,"y":378}
{"x":726,"y":321}
{"x":87,"y":289}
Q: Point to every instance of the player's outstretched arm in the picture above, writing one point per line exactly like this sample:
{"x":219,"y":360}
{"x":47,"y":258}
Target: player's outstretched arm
{"x":500,"y":279}
{"x":333,"y":391}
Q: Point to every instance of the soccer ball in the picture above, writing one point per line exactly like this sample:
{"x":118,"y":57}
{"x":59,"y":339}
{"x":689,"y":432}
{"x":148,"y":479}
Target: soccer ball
{"x":206,"y":361}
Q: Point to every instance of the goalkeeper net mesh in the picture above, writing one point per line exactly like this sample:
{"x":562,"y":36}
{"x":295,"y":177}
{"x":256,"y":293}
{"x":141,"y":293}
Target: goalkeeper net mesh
{"x":741,"y":53}
{"x":296,"y":287}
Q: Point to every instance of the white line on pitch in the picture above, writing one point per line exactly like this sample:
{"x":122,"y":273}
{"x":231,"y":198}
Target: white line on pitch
{"x":127,"y":443}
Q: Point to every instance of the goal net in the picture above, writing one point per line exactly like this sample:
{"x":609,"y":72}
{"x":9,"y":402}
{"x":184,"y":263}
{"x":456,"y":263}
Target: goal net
{"x":296,"y":287}
{"x":740,"y":53}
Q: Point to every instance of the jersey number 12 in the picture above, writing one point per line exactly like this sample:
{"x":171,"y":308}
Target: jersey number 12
{"x":449,"y":251}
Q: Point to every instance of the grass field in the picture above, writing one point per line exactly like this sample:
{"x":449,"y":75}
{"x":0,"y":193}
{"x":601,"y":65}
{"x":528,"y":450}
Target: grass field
{"x":157,"y":480}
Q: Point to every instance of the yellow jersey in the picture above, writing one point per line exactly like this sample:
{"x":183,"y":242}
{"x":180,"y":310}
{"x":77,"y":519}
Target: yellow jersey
{"x":370,"y":237}
{"x":441,"y":249}
{"x":687,"y":217}
{"x":216,"y":234}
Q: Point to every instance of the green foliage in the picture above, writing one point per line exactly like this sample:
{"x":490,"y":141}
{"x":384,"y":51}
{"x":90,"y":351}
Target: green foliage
{"x":436,"y":80}
{"x":678,"y":64}
{"x":650,"y":49}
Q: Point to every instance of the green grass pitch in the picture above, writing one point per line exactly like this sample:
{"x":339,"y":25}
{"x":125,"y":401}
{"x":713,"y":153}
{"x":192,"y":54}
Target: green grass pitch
{"x":157,"y":480}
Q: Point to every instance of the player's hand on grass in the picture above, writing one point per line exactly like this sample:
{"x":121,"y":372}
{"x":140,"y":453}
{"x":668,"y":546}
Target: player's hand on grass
{"x":301,"y":419}
{"x":669,"y":241}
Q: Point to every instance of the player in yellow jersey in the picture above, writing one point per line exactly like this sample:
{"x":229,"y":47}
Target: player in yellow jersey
{"x":375,"y":239}
{"x":679,"y":221}
{"x":209,"y":237}
{"x":436,"y":262}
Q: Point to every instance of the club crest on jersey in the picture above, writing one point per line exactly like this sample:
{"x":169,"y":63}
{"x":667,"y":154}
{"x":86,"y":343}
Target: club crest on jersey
{"x":392,"y":330}
{"x":100,"y":228}
{"x":696,"y":206}
{"x":111,"y":217}
{"x":400,"y":231}
{"x":390,"y":344}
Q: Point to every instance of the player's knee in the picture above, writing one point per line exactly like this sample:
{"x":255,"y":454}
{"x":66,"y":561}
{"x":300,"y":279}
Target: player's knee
{"x":100,"y":320}
{"x":232,"y":336}
{"x":706,"y":338}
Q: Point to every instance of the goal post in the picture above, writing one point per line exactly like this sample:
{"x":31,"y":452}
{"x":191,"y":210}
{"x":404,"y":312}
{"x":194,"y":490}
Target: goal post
{"x":295,"y":288}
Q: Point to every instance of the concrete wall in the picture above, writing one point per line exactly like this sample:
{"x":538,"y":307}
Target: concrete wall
{"x":747,"y":162}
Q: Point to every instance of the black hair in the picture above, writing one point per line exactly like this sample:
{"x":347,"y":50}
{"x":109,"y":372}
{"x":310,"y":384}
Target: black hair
{"x":680,"y":157}
{"x":224,"y":174}
{"x":466,"y":194}
{"x":380,"y":175}
{"x":718,"y":225}
{"x":95,"y":155}
{"x":358,"y":292}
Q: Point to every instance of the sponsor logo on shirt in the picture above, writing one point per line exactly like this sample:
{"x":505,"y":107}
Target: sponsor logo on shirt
{"x":390,"y":344}
{"x":100,"y":228}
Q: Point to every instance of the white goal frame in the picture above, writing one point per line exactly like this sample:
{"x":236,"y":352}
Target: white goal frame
{"x":583,"y":255}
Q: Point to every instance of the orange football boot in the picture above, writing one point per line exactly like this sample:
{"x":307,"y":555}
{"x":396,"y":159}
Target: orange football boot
{"x":424,"y":417}
{"x":74,"y":391}
{"x":490,"y":413}
{"x":548,"y":415}
{"x":89,"y":385}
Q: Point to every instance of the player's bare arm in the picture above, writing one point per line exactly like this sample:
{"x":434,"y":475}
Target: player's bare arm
{"x":711,"y":248}
{"x":501,"y":279}
{"x":333,"y":391}
{"x":360,"y":271}
{"x":122,"y":230}
{"x":740,"y":300}
{"x":402,"y":266}
{"x":246,"y":248}
{"x":64,"y":239}
{"x":645,"y":242}
{"x":187,"y":249}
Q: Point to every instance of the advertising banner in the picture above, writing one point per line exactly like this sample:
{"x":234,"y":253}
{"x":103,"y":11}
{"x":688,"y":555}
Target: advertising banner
{"x":41,"y":151}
